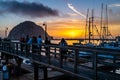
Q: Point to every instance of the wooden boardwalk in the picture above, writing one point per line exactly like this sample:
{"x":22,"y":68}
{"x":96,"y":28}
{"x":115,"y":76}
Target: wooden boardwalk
{"x":84,"y":67}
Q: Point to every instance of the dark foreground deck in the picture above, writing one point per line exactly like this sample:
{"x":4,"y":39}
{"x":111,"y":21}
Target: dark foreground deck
{"x":84,"y":66}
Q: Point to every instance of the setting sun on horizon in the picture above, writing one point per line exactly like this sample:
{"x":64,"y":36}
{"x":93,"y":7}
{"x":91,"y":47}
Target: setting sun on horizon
{"x":67,"y":33}
{"x":66,"y":29}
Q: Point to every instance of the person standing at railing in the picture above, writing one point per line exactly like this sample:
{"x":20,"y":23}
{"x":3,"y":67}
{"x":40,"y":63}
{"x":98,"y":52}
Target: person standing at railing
{"x":29,"y":43}
{"x":39,"y":41}
{"x":47,"y":42}
{"x":27,"y":38}
{"x":27,"y":47}
{"x":63,"y":51}
{"x":34,"y":44}
{"x":22,"y":43}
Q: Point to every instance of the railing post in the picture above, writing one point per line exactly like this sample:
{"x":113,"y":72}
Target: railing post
{"x":40,"y":52}
{"x":48,"y":54}
{"x":19,"y":62}
{"x":61,"y":60}
{"x":26,"y":50}
{"x":76,"y":60}
{"x":95,"y":65}
{"x":55,"y":53}
{"x":21,"y":48}
{"x":6,"y":58}
{"x":9,"y":46}
{"x":16,"y":48}
{"x":3,"y":45}
{"x":45,"y":73}
{"x":114,"y":62}
{"x":36,"y":73}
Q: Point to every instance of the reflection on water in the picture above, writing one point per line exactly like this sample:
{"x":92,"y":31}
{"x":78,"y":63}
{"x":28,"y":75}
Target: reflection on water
{"x":70,"y":42}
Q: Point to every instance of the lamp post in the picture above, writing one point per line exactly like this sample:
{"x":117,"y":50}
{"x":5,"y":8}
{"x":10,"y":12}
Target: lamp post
{"x":6,"y":31}
{"x":44,"y":24}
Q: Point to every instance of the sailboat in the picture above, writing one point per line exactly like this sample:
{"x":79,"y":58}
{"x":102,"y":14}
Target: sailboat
{"x":105,"y":34}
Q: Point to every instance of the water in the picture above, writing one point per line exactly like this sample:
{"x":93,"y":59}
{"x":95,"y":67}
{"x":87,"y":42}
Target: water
{"x":70,"y":42}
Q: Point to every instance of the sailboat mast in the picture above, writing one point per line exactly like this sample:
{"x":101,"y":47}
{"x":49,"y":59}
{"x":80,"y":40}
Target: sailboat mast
{"x":86,"y":25}
{"x":92,"y":23}
{"x":101,"y":24}
{"x":89,"y":30}
{"x":107,"y":34}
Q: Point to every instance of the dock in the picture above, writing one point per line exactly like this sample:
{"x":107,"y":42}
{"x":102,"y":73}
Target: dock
{"x":81,"y":67}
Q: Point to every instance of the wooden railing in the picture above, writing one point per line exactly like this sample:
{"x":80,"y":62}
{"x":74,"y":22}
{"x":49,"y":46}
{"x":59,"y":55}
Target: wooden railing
{"x":85,"y":66}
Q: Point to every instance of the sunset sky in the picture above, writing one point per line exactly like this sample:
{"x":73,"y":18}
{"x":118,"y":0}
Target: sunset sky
{"x":64,"y":18}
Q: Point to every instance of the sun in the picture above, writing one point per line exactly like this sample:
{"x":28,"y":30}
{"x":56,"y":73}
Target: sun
{"x":72,"y":33}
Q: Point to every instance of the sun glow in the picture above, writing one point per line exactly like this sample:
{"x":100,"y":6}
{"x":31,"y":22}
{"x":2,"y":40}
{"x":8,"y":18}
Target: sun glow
{"x":67,"y":33}
{"x":66,"y":29}
{"x":72,"y":34}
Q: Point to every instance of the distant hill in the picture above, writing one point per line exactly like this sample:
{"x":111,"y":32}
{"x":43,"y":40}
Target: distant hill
{"x":26,"y":28}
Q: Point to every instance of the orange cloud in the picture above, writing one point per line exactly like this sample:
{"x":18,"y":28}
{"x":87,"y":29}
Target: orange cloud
{"x":75,"y":28}
{"x":66,"y":29}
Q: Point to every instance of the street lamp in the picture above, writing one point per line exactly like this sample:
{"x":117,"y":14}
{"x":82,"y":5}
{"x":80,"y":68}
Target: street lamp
{"x":6,"y":31}
{"x":44,"y":24}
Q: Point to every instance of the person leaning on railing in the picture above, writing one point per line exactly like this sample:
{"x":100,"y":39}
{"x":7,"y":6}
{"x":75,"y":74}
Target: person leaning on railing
{"x":63,"y":50}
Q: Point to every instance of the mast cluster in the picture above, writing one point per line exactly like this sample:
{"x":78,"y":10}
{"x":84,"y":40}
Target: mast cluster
{"x":91,"y":29}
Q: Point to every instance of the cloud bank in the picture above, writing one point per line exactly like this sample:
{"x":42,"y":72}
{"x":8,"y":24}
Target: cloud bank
{"x":27,"y":9}
{"x":72,"y":8}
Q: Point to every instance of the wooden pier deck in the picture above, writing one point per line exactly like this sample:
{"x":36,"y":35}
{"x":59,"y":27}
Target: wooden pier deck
{"x":89,"y":70}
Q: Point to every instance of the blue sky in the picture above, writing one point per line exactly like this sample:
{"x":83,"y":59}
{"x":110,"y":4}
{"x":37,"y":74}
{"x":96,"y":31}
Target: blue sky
{"x":9,"y":16}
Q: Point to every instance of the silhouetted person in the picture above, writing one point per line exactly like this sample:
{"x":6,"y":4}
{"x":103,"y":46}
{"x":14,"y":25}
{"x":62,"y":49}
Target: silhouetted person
{"x":63,"y":50}
{"x":28,"y":47}
{"x":34,"y":44}
{"x":47,"y":42}
{"x":22,"y":43}
{"x":27,"y":38}
{"x":39,"y":41}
